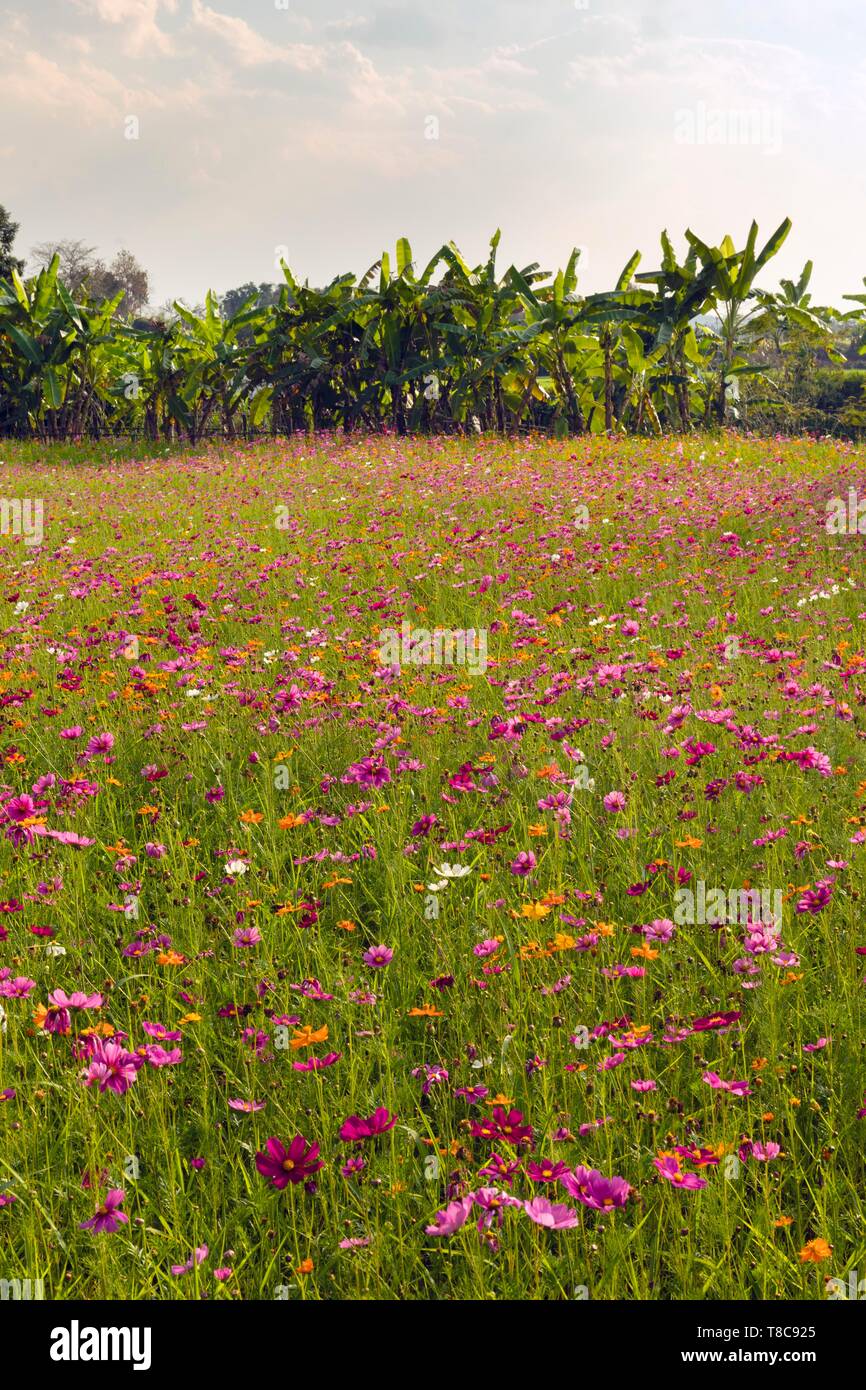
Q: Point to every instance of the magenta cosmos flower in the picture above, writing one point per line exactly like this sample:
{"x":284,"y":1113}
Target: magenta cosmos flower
{"x":294,"y":1164}
{"x":594,"y":1190}
{"x":378,"y":956}
{"x":764,"y":1153}
{"x":111,"y":1067}
{"x":98,"y":746}
{"x":614,"y":801}
{"x":523,"y":864}
{"x":198,"y":1256}
{"x":108,"y":1217}
{"x":735,"y":1088}
{"x":357,"y":1128}
{"x":669,"y":1168}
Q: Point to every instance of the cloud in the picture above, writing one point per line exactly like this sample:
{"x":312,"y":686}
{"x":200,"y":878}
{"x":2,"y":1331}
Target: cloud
{"x":138,"y":18}
{"x":250,"y":48}
{"x":36,"y":82}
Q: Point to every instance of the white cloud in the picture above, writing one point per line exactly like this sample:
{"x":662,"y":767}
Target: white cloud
{"x":138,"y":19}
{"x":250,"y":48}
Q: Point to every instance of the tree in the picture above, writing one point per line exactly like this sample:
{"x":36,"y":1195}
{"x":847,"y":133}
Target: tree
{"x":82,"y":270}
{"x":124,"y":274}
{"x":265,"y":294}
{"x":76,"y":261}
{"x":8,"y":232}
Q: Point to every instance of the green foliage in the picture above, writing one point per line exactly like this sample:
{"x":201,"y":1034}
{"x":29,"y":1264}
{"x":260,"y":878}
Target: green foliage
{"x":449,"y":348}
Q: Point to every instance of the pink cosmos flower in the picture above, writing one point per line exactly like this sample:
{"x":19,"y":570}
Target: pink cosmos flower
{"x":196,"y":1258}
{"x":158,"y":1056}
{"x":293,"y":1164}
{"x":159,"y":1032}
{"x":670,"y":1169}
{"x":75,"y":1001}
{"x":764,"y":1153}
{"x":111,"y":1067}
{"x":594,"y":1190}
{"x":659,"y":929}
{"x":523,"y":864}
{"x":99,"y":745}
{"x":378,"y":956}
{"x":246,"y":936}
{"x":18,"y":988}
{"x":493,"y":1203}
{"x":108,"y":1217}
{"x":556,"y":1216}
{"x":20,"y":808}
{"x":317,"y":1063}
{"x":356,"y":1128}
{"x":449,"y":1220}
{"x":735,"y":1088}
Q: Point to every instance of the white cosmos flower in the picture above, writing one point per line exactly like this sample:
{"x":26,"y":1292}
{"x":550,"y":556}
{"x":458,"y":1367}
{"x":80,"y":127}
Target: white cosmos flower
{"x":452,"y":870}
{"x":236,"y":866}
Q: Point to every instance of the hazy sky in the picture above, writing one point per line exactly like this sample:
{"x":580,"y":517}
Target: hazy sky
{"x":305,"y":125}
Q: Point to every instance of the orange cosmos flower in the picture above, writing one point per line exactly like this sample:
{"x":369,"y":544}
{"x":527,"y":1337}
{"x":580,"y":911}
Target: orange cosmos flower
{"x":307,"y":1036}
{"x":534,"y":911}
{"x":814,"y":1251}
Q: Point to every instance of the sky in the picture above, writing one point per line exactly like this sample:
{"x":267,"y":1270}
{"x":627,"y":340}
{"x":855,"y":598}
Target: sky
{"x":211,"y":138}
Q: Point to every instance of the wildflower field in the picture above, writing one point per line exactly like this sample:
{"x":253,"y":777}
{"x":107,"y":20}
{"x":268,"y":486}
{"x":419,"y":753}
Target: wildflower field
{"x":522,"y":959}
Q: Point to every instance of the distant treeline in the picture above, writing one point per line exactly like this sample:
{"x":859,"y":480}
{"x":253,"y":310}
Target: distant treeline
{"x":444,"y":348}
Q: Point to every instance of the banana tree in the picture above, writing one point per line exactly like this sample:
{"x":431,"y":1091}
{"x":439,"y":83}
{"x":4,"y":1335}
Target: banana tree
{"x":683,"y":292}
{"x":735,"y":275}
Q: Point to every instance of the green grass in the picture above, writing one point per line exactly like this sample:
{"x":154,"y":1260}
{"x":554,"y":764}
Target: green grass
{"x":382,"y":531}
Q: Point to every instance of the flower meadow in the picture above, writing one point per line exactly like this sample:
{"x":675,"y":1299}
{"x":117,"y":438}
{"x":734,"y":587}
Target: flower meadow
{"x":325,"y":976}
